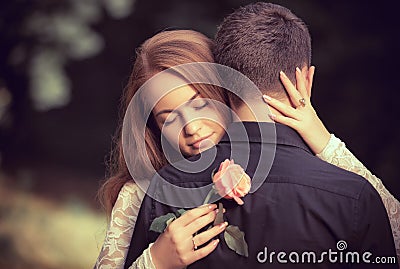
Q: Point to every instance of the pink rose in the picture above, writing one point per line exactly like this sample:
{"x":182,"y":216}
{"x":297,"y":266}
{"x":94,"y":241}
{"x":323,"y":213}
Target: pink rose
{"x":231,"y":181}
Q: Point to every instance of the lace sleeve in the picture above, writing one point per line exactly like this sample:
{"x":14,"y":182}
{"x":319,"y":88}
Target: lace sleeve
{"x":337,"y":154}
{"x":120,"y":230}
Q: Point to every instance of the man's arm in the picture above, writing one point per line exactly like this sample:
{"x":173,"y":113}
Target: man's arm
{"x":373,"y":232}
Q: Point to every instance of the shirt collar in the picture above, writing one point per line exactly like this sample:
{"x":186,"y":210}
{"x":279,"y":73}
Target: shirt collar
{"x":263,"y":132}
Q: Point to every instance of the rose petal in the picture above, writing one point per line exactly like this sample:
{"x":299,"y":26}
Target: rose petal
{"x":231,"y":181}
{"x":238,"y":200}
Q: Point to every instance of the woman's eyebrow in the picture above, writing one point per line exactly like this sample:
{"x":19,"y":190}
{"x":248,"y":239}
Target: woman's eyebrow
{"x":170,"y":110}
{"x":164,"y":111}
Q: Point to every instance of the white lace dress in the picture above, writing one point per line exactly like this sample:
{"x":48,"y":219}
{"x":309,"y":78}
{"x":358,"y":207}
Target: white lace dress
{"x":337,"y":154}
{"x":126,"y":209}
{"x":120,"y":230}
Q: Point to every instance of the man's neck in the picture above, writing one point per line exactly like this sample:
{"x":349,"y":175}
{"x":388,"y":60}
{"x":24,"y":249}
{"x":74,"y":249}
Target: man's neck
{"x":259,"y":111}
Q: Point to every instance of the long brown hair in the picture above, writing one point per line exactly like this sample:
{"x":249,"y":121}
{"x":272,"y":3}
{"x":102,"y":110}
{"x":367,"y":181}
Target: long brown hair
{"x":160,"y":52}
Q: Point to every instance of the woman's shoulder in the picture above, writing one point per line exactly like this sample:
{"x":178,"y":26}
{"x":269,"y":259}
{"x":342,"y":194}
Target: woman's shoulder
{"x":129,"y":187}
{"x":131,"y":193}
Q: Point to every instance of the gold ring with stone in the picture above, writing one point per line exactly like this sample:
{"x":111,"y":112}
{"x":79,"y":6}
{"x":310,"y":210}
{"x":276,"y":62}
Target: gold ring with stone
{"x":302,"y":102}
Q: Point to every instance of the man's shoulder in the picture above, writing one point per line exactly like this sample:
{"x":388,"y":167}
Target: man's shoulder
{"x":197,"y":168}
{"x":325,"y":177}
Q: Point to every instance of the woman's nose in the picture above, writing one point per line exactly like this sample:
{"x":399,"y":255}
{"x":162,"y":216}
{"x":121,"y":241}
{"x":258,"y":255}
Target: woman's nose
{"x":191,"y":124}
{"x":192,"y":127}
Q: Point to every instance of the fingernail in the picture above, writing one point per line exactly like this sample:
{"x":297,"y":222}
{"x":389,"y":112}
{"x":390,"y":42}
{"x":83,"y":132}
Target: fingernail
{"x":267,"y":97}
{"x":272,"y":116}
{"x":212,"y":206}
{"x":216,"y":211}
{"x":282,"y":73}
{"x":223,"y":225}
{"x":298,"y":70}
{"x":216,"y":242}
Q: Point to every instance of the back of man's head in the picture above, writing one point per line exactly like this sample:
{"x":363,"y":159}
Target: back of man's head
{"x":260,"y":40}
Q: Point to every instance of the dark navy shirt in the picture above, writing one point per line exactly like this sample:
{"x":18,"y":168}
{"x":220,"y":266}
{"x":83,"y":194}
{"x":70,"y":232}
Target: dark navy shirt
{"x":303,"y":207}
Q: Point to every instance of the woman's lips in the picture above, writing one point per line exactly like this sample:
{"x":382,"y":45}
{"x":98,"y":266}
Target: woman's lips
{"x":197,"y":143}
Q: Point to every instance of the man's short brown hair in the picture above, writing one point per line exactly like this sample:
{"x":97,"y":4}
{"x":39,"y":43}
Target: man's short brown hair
{"x":260,"y":40}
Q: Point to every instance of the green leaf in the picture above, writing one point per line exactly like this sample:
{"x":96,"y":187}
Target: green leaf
{"x":219,"y":218}
{"x":168,"y":222}
{"x":160,"y":223}
{"x":234,"y":238}
{"x":213,"y":172}
{"x":180,"y":212}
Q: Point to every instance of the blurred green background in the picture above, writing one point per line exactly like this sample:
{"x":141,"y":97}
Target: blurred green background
{"x":64,"y":64}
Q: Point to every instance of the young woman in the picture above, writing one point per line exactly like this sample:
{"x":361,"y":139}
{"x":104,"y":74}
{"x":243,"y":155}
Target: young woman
{"x":120,"y":194}
{"x":122,"y":197}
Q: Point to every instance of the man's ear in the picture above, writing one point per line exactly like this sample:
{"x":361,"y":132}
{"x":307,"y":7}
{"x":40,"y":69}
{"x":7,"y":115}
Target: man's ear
{"x":308,"y":74}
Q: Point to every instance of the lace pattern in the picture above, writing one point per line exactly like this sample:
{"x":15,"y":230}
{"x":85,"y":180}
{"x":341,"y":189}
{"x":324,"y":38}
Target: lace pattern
{"x":337,"y":154}
{"x":120,"y":230}
{"x":144,"y":261}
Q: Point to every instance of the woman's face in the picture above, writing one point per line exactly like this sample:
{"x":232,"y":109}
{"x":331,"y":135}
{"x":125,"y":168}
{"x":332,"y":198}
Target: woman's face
{"x":189,"y":121}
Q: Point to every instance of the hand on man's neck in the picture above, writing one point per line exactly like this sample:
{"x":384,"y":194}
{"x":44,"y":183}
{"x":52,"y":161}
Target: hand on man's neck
{"x":259,"y":109}
{"x":256,"y":110}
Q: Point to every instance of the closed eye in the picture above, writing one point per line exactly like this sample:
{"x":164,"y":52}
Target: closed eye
{"x":201,"y":103}
{"x":170,"y":119}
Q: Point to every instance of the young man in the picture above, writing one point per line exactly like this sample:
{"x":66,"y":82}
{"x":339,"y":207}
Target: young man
{"x":305,"y":213}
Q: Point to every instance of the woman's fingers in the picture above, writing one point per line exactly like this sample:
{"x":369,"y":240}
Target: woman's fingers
{"x":293,"y":93}
{"x":206,"y":236}
{"x":285,"y":120}
{"x":204,"y":251}
{"x":200,"y":222}
{"x":310,"y":78}
{"x":281,"y":107}
{"x":193,"y":214}
{"x":301,"y":85}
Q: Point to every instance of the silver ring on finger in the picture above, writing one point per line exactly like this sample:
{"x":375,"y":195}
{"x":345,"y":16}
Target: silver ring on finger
{"x":194,"y":244}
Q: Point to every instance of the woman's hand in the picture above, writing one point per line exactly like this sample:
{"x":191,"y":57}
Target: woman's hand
{"x":303,"y":117}
{"x":178,"y":247}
